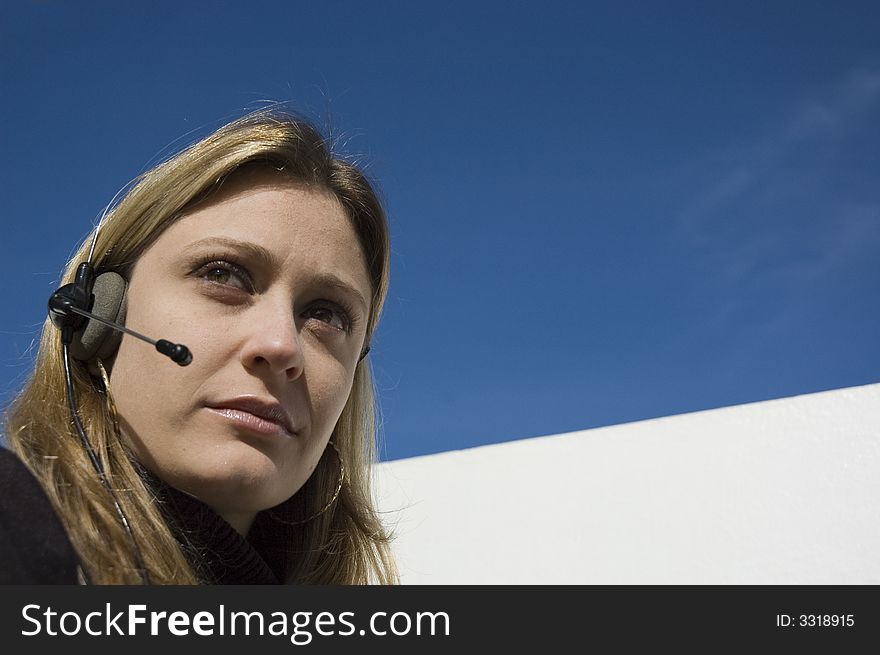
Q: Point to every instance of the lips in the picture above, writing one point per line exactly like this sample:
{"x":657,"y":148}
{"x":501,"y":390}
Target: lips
{"x":259,"y":414}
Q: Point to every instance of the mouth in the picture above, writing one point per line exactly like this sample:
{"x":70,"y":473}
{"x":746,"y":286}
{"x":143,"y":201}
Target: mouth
{"x":257,"y":415}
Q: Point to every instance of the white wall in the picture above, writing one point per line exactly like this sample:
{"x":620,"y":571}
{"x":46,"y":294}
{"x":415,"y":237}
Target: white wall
{"x":778,"y":492}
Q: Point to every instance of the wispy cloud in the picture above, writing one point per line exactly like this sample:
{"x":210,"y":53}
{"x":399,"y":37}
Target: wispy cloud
{"x":836,"y":111}
{"x":854,"y":234}
{"x":840,"y":110}
{"x":746,"y":182}
{"x":775,"y":216}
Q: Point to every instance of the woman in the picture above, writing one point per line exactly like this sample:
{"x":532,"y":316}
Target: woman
{"x":268,"y":258}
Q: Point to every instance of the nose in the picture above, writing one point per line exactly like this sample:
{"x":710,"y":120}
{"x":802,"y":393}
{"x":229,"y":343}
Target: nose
{"x":272,"y":345}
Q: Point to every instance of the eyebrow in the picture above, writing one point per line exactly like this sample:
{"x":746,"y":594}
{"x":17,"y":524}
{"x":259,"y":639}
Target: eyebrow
{"x":267,"y":259}
{"x":252,"y":250}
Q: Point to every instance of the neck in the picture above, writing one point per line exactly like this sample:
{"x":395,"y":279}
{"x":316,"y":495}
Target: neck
{"x":240,"y":521}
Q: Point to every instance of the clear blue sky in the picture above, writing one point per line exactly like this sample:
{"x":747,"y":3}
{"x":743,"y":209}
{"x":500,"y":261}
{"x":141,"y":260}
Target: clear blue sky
{"x":600,"y":212}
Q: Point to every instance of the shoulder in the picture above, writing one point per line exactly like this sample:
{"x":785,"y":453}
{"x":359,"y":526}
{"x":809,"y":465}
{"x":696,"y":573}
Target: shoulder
{"x":34,"y":547}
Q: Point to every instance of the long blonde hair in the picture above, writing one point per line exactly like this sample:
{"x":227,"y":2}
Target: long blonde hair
{"x":348,"y":543}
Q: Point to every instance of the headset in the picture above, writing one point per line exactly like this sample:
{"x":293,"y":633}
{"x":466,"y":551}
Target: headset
{"x":90,"y":312}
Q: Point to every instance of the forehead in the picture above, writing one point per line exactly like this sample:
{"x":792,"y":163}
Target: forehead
{"x":304,"y":229}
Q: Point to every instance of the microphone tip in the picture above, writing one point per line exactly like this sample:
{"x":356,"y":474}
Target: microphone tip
{"x":185,"y":357}
{"x":176,"y":351}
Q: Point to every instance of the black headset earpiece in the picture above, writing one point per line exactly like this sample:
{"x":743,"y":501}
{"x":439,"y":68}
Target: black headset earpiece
{"x":98,"y":340}
{"x":90,"y":313}
{"x":69,"y":307}
{"x":74,"y":302}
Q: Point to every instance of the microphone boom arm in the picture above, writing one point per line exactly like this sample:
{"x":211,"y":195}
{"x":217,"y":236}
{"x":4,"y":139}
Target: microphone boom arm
{"x":175,"y":351}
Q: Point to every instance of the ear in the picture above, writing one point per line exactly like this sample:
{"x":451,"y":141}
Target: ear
{"x":97,"y":341}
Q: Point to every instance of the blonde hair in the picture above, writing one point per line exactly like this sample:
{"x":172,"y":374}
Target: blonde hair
{"x":348,"y":543}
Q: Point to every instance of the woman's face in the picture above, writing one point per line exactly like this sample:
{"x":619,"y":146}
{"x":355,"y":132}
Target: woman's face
{"x":266,"y":285}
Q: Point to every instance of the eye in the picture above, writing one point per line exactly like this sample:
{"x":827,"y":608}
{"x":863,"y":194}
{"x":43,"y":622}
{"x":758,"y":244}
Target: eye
{"x":227,"y":274}
{"x":332,"y":314}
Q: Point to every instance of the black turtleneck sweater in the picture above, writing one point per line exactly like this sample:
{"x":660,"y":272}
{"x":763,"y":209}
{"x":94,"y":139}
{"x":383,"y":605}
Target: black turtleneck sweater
{"x":35,"y":549}
{"x":217,"y":553}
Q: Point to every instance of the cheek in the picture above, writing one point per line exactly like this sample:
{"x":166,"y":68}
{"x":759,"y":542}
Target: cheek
{"x":151,"y":391}
{"x":329,"y":398}
{"x":145,"y":387}
{"x":139,"y":404}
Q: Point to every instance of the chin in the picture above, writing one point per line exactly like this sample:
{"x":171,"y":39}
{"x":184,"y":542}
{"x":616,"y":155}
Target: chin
{"x":243,"y":484}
